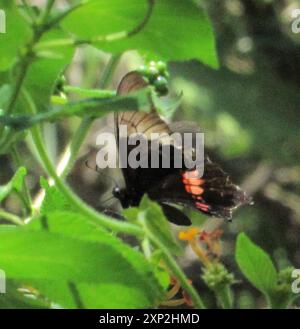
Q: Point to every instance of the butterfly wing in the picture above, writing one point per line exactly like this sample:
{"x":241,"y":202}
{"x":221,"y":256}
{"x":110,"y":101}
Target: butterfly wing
{"x":139,"y":180}
{"x":174,"y":215}
{"x":213,"y":194}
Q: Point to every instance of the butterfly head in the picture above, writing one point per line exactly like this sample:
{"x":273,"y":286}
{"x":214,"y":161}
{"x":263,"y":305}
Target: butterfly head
{"x":127,"y":198}
{"x":122,"y":195}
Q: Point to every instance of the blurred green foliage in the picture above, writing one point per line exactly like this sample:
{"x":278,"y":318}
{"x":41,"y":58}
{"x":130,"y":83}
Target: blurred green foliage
{"x":248,"y":109}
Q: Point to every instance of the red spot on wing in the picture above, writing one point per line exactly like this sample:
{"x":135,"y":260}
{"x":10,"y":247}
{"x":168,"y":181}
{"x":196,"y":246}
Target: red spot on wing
{"x":192,"y":184}
{"x":202,"y":206}
{"x":193,"y":181}
{"x":194,"y":190}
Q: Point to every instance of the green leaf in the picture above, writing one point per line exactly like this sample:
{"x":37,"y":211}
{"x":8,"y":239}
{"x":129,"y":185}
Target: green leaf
{"x":256,"y":265}
{"x":160,"y":271}
{"x":54,"y":200}
{"x":17,"y":32}
{"x":183,"y":35}
{"x":18,"y":179}
{"x":75,"y":225}
{"x":155,"y":221}
{"x":15,"y":184}
{"x":76,"y":264}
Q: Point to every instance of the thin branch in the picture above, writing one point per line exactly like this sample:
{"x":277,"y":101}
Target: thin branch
{"x":10,"y":217}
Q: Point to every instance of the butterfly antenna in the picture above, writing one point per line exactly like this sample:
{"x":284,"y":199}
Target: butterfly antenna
{"x":101,"y":173}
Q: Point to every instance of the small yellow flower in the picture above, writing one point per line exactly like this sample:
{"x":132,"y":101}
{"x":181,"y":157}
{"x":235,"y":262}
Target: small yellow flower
{"x":189,"y":234}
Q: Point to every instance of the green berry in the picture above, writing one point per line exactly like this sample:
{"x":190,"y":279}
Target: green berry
{"x":153,"y":64}
{"x":153,"y":71}
{"x":161,"y":85}
{"x":59,"y":87}
{"x":162,"y":67}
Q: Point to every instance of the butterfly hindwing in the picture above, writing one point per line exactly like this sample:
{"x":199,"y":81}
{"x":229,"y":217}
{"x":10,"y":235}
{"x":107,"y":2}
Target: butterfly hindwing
{"x":174,"y":215}
{"x":213,"y":194}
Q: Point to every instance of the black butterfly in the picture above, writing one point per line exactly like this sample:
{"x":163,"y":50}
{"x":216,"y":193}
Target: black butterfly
{"x":213,"y":194}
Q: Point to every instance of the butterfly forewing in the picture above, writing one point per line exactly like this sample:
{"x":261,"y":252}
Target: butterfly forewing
{"x":138,"y":122}
{"x":139,"y":180}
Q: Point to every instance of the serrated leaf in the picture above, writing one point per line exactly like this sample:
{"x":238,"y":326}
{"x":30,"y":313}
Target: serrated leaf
{"x":54,"y":200}
{"x":75,"y":225}
{"x":65,"y":256}
{"x":18,"y":179}
{"x":256,"y":265}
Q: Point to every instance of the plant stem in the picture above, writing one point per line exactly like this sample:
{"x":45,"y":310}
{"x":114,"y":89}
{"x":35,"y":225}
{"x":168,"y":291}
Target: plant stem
{"x":10,"y":217}
{"x":89,"y":92}
{"x":70,"y":153}
{"x":146,"y":247}
{"x":109,"y":70}
{"x":224,"y":296}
